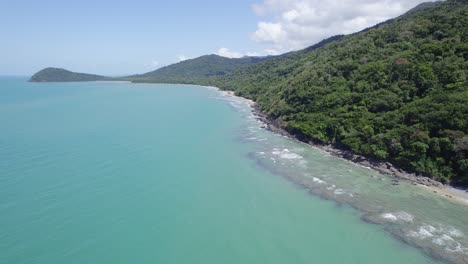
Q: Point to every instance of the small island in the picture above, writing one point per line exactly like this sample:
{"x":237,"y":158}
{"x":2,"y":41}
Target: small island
{"x":62,"y":75}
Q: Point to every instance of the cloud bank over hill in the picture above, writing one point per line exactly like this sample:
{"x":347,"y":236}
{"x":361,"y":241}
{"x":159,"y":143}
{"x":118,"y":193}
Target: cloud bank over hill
{"x":295,"y":24}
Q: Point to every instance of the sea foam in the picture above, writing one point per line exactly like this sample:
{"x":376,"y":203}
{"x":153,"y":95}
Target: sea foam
{"x":286,"y":154}
{"x":397,"y":216}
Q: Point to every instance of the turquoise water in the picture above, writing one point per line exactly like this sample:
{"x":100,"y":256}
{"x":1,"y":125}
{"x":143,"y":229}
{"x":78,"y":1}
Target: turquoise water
{"x":123,"y":173}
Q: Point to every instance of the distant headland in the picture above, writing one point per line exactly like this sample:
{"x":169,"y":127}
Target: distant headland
{"x":62,"y":75}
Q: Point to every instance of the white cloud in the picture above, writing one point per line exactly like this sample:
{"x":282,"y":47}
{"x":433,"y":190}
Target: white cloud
{"x":182,"y":58}
{"x":154,"y":63}
{"x":225,"y":52}
{"x":270,"y":33}
{"x":266,"y":52}
{"x":296,"y":24}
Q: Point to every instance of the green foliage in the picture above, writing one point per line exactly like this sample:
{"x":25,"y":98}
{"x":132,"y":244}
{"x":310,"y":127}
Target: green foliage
{"x":62,"y":75}
{"x":395,"y":92}
{"x":199,"y":70}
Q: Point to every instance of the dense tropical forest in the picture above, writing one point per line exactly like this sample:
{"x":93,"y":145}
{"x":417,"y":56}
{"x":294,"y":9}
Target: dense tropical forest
{"x":396,"y":92}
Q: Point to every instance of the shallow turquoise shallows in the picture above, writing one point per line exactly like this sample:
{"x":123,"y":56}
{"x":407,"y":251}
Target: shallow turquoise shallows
{"x":106,"y":172}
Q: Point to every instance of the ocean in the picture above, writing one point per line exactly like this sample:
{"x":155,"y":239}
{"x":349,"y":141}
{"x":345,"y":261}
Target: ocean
{"x":113,"y":172}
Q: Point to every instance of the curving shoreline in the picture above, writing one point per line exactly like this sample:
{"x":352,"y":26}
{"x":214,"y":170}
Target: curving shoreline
{"x":385,"y":168}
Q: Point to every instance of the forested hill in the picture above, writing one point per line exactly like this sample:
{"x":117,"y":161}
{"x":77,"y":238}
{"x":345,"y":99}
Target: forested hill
{"x":396,"y":92}
{"x":198,"y":70}
{"x":62,"y":75}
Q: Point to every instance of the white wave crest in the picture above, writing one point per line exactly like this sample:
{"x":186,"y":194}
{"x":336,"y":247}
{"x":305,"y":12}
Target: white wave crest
{"x":339,"y":191}
{"x":286,"y":154}
{"x":389,"y":217}
{"x":443,"y":240}
{"x":397,"y":216}
{"x":423,"y":232}
{"x":442,"y":236}
{"x":452,"y":231}
{"x":317,"y":180}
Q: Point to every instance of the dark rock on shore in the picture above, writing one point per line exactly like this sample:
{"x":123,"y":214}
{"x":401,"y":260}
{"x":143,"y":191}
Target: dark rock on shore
{"x":380,"y":166}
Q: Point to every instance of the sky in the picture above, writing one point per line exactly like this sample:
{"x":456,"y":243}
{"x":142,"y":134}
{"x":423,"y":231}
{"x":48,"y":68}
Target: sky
{"x":126,"y":37}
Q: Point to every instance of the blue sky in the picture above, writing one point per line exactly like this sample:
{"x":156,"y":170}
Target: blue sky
{"x":125,"y":37}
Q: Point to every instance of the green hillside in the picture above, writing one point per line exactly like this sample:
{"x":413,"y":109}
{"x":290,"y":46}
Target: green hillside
{"x":395,"y":92}
{"x":199,"y":70}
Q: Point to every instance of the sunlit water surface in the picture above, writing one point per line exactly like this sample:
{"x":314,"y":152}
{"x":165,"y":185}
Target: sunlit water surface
{"x":124,"y":173}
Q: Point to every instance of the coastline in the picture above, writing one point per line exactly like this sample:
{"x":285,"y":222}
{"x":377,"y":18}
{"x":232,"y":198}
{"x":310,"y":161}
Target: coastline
{"x":385,"y":168}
